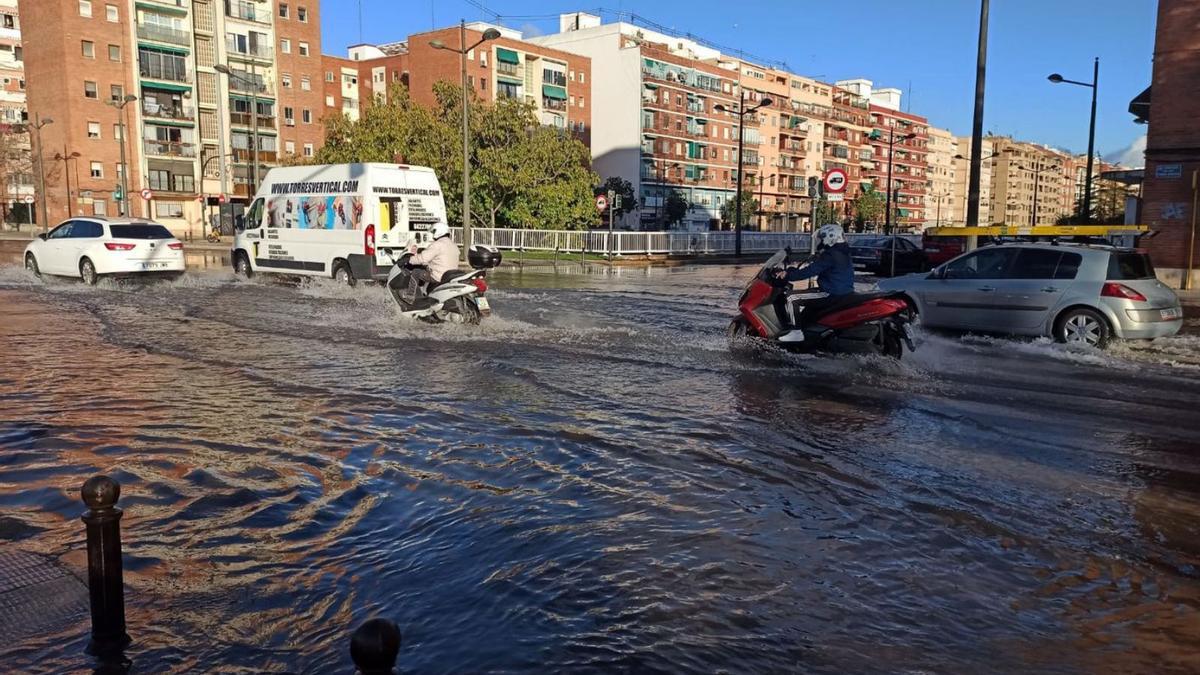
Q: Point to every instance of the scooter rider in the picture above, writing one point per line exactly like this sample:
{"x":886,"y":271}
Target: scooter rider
{"x":430,"y":265}
{"x":833,"y":268}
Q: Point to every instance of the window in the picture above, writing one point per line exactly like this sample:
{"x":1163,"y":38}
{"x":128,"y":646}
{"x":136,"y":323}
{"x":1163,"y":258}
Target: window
{"x":581,"y":77}
{"x":289,"y":116}
{"x":305,"y":83}
{"x":283,"y":10}
{"x":306,"y":116}
{"x":285,"y":46}
{"x":93,"y":130}
{"x":1130,"y":267}
{"x":1035,"y":263}
{"x":329,"y":101}
{"x":302,"y":14}
{"x":989,"y":263}
{"x":289,"y":147}
{"x":168,"y":209}
{"x":303,"y":49}
{"x":97,"y":170}
{"x":111,"y":13}
{"x":483,"y":59}
{"x":116,"y":92}
{"x":85,"y":8}
{"x":286,"y":80}
{"x":329,"y":76}
{"x":1068,"y":267}
{"x":572,"y":76}
{"x":581,"y":105}
{"x":572,"y":100}
{"x":89,"y":89}
{"x":99,"y":208}
{"x":308,"y":149}
{"x":114,"y":53}
{"x":89,"y":49}
{"x":117,"y":131}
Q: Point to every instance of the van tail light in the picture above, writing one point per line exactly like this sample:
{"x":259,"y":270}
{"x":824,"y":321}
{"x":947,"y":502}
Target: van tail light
{"x":369,"y":241}
{"x":1114,"y":290}
{"x":114,"y":246}
{"x":175,"y":246}
{"x":480,"y":284}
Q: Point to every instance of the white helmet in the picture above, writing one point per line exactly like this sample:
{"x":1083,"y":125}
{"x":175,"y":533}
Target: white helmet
{"x":828,"y":235}
{"x":439,"y":230}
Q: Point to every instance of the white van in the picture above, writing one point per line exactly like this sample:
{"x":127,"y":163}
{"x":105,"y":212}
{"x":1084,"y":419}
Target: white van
{"x":337,"y":220}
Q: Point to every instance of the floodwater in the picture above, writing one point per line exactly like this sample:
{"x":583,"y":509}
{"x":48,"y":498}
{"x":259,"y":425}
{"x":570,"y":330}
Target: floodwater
{"x":593,"y":481}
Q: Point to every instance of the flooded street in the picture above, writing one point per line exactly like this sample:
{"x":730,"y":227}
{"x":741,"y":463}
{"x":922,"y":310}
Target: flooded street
{"x":593,"y":481}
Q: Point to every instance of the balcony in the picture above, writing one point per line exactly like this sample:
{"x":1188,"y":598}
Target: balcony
{"x":244,"y":155}
{"x":247,"y":11}
{"x":244,"y":51}
{"x":555,"y":78}
{"x":242,"y":82}
{"x":157,"y":33}
{"x":169,"y":148}
{"x":791,"y":148}
{"x":168,"y":112}
{"x":159,"y":181}
{"x":245,"y":119}
{"x":508,"y":69}
{"x":554,"y":104}
{"x":167,"y":71}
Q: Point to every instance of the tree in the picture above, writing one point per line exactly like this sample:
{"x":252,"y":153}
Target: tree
{"x":749,"y":208}
{"x":523,"y":174}
{"x":868,"y":207}
{"x":826,"y":212}
{"x":16,"y":168}
{"x":676,"y":207}
{"x":624,"y":189}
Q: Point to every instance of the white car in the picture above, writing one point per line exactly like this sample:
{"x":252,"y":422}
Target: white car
{"x":88,"y":247}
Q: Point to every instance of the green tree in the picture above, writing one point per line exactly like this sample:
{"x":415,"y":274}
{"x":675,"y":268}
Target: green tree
{"x":676,"y":207}
{"x":749,"y":208}
{"x":621,"y":187}
{"x":826,"y":213}
{"x":868,"y":207}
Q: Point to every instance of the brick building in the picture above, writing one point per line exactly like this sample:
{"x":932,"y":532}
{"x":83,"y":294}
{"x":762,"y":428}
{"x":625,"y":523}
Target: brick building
{"x":1173,"y":143}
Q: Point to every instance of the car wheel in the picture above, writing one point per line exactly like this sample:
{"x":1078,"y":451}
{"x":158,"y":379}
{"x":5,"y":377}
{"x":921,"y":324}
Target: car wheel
{"x":87,"y":272}
{"x":1082,"y":326}
{"x":341,"y":272}
{"x":31,"y":265}
{"x":241,"y":265}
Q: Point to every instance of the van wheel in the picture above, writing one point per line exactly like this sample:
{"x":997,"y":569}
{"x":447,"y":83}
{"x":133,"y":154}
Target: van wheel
{"x":87,"y":272}
{"x":31,"y":265}
{"x":342,"y":273}
{"x":1082,"y":326}
{"x":241,"y":265}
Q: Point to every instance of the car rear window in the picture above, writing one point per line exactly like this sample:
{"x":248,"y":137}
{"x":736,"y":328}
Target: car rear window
{"x":140,"y":231}
{"x":1128,"y":266}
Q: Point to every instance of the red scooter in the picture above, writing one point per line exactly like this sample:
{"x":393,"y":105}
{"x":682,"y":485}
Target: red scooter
{"x":870,"y":323}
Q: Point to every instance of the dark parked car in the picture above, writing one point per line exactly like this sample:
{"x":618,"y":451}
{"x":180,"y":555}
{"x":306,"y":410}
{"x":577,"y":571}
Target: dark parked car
{"x":874,"y":255}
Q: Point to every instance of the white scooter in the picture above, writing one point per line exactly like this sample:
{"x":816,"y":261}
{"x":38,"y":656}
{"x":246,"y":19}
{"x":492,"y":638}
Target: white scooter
{"x":458,"y":298}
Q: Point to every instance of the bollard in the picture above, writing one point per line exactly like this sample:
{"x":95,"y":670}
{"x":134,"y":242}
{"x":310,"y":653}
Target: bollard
{"x":106,"y":587}
{"x":375,"y":646}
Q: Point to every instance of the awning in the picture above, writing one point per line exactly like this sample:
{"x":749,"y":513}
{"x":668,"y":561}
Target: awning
{"x":507,"y":55}
{"x":165,"y":86}
{"x":554,"y":91}
{"x":650,"y":85}
{"x":162,"y":48}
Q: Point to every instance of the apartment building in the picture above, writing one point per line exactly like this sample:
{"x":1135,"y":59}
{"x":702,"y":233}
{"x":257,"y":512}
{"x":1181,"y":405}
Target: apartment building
{"x":16,"y":166}
{"x":141,"y":77}
{"x":1031,"y":184}
{"x":342,"y":87}
{"x":942,"y":205}
{"x":962,"y":176}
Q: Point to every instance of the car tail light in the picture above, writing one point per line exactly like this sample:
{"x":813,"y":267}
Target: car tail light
{"x":114,"y":246}
{"x":1114,"y":290}
{"x":369,"y":241}
{"x":175,"y":246}
{"x":480,"y":284}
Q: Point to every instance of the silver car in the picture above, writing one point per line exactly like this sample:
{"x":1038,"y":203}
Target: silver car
{"x":1078,"y":294}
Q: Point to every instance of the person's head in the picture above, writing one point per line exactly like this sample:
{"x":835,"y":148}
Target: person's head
{"x":828,"y":235}
{"x":439,"y":230}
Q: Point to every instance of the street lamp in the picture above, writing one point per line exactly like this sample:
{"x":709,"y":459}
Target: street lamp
{"x":59,"y":157}
{"x":489,"y":34}
{"x":1037,"y":181}
{"x":1087,"y":188}
{"x":741,"y":113}
{"x":662,"y":192}
{"x":123,"y":202}
{"x":37,"y":125}
{"x":887,"y":222}
{"x":761,"y":210}
{"x":252,"y":84}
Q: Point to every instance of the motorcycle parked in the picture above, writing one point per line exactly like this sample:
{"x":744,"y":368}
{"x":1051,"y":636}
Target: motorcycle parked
{"x":460,"y":297}
{"x":871,"y":323}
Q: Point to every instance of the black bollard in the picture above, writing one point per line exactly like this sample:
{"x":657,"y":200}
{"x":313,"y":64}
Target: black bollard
{"x":106,"y":585}
{"x":375,"y":646}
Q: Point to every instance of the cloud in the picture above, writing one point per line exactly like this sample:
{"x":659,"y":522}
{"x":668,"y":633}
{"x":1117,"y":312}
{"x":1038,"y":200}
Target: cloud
{"x":1133,"y":156}
{"x":530,"y":30}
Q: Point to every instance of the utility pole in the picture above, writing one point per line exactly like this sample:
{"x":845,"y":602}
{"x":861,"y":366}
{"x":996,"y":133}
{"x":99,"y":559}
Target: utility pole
{"x":977,"y":124}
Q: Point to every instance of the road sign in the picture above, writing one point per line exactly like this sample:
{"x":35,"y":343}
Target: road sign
{"x":601,"y":202}
{"x":222,"y":199}
{"x":835,"y":197}
{"x":28,"y":199}
{"x":835,"y":181}
{"x":147,"y":194}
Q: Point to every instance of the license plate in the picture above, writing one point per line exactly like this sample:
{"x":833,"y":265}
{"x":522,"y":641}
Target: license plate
{"x":153,"y":265}
{"x":933,"y":250}
{"x":484,"y":305}
{"x":1173,"y":313}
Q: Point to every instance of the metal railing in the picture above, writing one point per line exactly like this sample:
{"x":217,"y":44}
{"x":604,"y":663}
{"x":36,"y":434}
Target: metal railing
{"x":256,"y":51}
{"x":172,"y":70}
{"x":247,"y":11}
{"x":169,"y":148}
{"x":245,"y":119}
{"x":150,"y":31}
{"x":643,"y":243}
{"x":168,"y":112}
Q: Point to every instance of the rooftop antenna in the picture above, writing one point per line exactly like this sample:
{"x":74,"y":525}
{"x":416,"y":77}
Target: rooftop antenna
{"x":910,"y":96}
{"x":360,"y":30}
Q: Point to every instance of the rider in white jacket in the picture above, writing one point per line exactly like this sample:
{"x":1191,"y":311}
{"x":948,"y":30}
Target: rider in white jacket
{"x":440,"y":257}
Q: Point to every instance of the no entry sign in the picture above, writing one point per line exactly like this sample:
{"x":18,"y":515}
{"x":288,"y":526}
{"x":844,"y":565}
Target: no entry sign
{"x":601,"y":202}
{"x":835,"y":181}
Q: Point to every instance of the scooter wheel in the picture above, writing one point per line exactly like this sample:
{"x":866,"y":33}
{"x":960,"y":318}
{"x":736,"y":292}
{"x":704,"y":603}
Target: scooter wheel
{"x":462,"y":310}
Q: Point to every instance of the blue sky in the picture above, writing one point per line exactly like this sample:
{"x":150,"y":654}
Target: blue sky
{"x":925,"y":47}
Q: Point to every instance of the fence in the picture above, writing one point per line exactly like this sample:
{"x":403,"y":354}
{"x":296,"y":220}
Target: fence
{"x":644,"y":243}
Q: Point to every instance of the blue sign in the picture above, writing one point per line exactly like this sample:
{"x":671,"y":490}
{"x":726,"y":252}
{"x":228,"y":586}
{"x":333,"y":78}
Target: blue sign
{"x":1168,"y":171}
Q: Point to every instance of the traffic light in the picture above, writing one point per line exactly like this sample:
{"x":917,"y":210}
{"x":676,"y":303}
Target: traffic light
{"x":117,"y":194}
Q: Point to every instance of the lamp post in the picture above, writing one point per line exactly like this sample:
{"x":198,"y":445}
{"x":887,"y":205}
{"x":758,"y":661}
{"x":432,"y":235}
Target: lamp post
{"x":489,"y":34}
{"x":761,"y":210}
{"x":1037,"y":181}
{"x":252,"y":84}
{"x":65,"y":159}
{"x":1087,"y":186}
{"x":662,"y":194}
{"x":741,"y":113}
{"x":892,"y":138}
{"x":123,"y":202}
{"x":977,"y":124}
{"x":37,"y":125}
